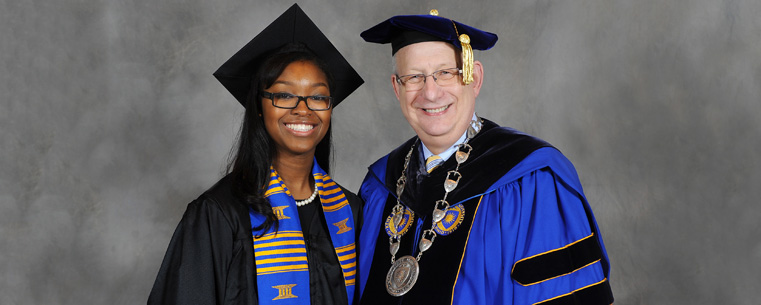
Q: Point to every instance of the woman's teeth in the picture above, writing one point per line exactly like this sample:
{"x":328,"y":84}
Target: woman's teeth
{"x":300,"y":127}
{"x":436,"y":110}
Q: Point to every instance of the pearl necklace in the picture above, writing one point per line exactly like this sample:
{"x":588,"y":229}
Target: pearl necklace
{"x":304,"y":202}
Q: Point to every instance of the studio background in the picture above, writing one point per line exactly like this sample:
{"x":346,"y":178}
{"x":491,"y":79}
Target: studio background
{"x":111,"y":123}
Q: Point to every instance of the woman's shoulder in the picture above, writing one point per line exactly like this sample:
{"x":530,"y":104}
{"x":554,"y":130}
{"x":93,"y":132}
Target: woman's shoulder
{"x":222,"y":191}
{"x":220,"y":202}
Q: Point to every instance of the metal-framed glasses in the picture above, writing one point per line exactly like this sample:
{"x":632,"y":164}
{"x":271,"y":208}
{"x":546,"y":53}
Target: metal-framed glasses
{"x":290,"y":101}
{"x":443,"y":77}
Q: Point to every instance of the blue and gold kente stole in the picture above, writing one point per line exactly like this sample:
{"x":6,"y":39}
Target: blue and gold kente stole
{"x":282,"y":272}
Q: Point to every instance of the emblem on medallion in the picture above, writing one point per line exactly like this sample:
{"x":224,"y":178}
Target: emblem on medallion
{"x":451,"y":220}
{"x":399,"y":223}
{"x":402,"y":276}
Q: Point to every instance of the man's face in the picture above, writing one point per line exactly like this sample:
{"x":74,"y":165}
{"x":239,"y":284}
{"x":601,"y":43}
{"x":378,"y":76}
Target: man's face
{"x":438,"y":114}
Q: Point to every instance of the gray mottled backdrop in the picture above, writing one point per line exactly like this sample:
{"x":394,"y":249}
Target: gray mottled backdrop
{"x":111,"y":123}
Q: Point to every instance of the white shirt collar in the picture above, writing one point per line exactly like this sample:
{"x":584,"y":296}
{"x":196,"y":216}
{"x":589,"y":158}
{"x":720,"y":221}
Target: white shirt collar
{"x":450,"y":151}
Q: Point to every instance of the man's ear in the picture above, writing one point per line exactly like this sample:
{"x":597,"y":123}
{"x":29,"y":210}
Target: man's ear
{"x":478,"y":77}
{"x":396,"y":85}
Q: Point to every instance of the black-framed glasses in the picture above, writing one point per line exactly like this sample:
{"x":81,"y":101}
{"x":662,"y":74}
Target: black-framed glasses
{"x":290,"y":101}
{"x":443,"y":77}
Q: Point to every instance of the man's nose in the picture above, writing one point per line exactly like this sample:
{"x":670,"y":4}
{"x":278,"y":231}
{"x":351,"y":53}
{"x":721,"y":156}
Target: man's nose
{"x":431,"y":89}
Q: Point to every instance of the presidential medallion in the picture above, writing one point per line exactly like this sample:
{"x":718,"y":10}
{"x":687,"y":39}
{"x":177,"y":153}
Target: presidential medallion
{"x":402,"y":276}
{"x":444,"y":220}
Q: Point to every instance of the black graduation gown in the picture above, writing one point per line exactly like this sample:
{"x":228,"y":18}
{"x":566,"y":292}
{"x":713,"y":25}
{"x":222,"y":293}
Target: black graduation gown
{"x":210,"y":258}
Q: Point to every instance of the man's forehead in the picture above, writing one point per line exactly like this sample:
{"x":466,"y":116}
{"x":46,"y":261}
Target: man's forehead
{"x":426,"y":55}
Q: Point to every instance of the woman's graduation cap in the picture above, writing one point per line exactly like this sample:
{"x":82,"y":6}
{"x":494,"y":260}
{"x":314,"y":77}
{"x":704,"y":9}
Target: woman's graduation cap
{"x":292,"y":26}
{"x":405,"y":30}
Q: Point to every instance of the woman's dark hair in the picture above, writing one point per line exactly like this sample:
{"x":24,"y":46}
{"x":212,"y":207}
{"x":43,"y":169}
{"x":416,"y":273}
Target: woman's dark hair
{"x":249,"y":168}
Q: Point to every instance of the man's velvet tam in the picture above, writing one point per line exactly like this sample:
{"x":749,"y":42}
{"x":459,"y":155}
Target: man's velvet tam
{"x":404,"y":30}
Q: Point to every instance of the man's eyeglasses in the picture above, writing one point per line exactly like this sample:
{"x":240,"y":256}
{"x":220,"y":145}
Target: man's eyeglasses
{"x":443,"y":77}
{"x":290,"y":101}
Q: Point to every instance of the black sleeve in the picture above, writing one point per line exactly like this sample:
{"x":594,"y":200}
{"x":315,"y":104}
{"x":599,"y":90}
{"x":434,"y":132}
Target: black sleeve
{"x":194,"y":269}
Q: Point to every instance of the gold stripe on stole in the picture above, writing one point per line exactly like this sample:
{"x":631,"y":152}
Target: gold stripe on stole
{"x":281,"y":260}
{"x":337,"y":206}
{"x":330,"y":192}
{"x":282,"y":251}
{"x":280,"y":234}
{"x":280,"y":269}
{"x":347,"y":256}
{"x":279,"y":243}
{"x":276,"y":185}
{"x":349,"y":265}
{"x":349,"y":247}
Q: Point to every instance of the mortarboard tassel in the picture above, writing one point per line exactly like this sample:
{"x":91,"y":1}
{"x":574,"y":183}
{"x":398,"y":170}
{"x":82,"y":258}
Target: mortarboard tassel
{"x":467,"y":52}
{"x":467,"y":59}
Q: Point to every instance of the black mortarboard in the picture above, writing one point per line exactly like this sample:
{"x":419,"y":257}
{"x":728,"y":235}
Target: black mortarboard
{"x":405,"y":30}
{"x":292,"y":26}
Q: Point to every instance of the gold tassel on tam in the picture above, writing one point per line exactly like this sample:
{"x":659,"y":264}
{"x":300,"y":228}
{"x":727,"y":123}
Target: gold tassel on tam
{"x":467,"y":56}
{"x":467,"y":59}
{"x":467,"y":52}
